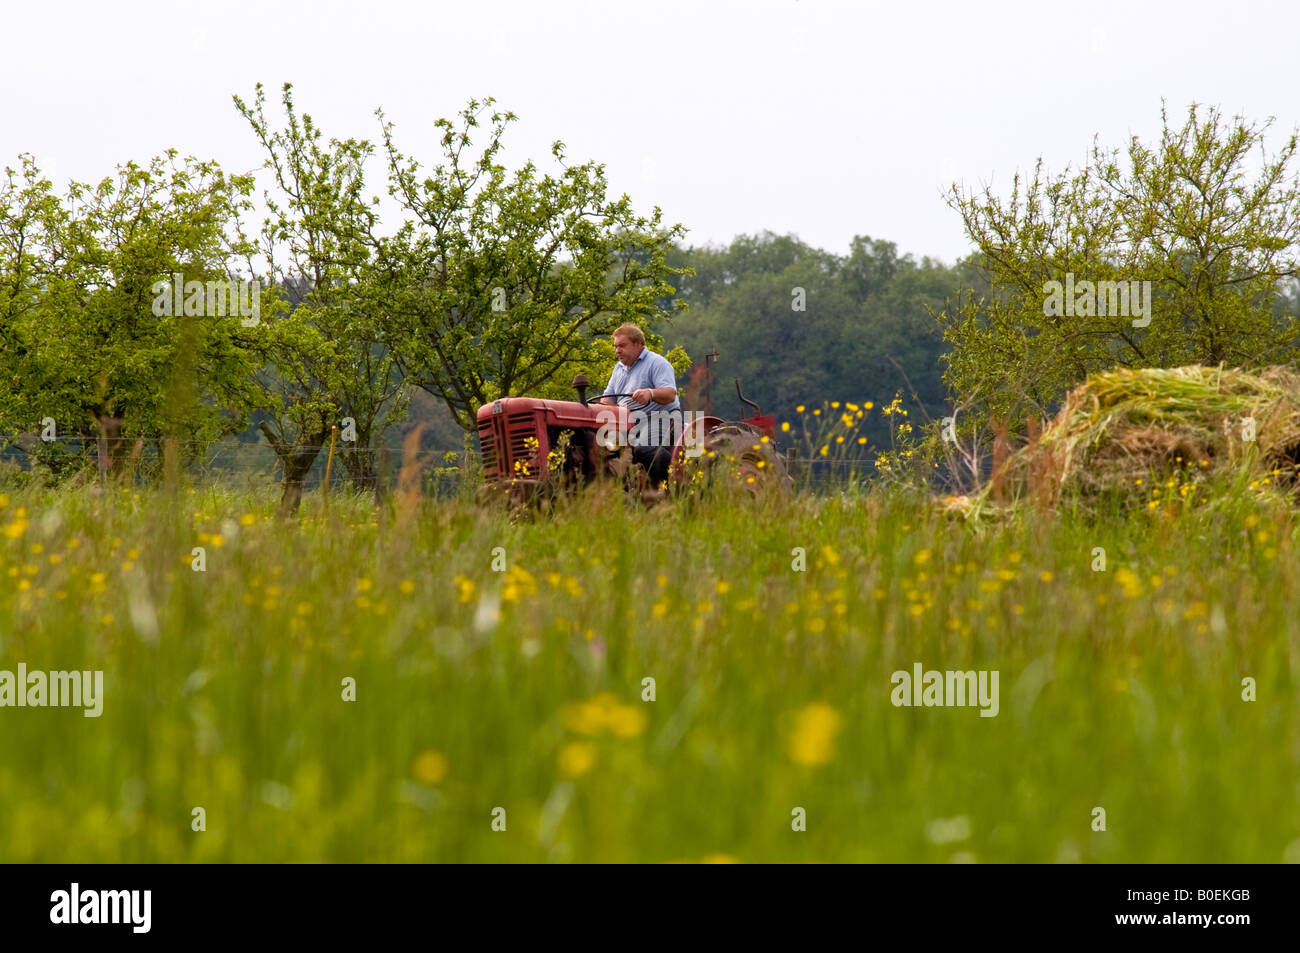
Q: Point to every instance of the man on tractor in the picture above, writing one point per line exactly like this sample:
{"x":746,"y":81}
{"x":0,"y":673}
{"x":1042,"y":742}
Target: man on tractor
{"x":644,"y":381}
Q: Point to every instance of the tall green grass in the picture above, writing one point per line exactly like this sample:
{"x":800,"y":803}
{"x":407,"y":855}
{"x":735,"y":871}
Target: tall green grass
{"x":523,"y":689}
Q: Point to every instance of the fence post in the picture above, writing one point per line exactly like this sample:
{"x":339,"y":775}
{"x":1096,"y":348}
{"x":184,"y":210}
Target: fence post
{"x":1037,"y":486}
{"x":383,"y":475}
{"x":329,"y":463}
{"x":1001,"y":453}
{"x":171,"y":464}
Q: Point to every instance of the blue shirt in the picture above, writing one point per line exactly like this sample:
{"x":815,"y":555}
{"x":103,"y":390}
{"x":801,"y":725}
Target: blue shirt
{"x":649,"y":370}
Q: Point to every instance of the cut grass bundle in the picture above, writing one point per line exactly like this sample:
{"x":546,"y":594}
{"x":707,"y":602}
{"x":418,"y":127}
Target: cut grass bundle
{"x":1121,"y":430}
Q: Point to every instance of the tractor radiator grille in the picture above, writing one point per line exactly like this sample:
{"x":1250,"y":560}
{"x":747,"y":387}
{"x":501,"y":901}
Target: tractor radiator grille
{"x":504,"y":441}
{"x":488,"y":443}
{"x":521,"y":427}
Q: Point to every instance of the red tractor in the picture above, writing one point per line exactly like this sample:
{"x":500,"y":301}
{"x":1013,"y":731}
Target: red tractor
{"x":530,"y":446}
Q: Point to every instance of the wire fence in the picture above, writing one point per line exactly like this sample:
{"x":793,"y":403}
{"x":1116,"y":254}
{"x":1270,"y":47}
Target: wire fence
{"x":253,"y":465}
{"x":245,"y":464}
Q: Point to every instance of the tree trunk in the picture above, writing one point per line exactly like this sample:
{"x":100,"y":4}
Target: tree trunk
{"x":297,"y":460}
{"x":109,"y":442}
{"x":385,"y":475}
{"x":360,"y":464}
{"x":296,"y":467}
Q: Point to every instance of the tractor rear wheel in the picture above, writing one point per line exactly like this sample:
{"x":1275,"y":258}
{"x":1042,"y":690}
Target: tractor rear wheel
{"x":746,"y":456}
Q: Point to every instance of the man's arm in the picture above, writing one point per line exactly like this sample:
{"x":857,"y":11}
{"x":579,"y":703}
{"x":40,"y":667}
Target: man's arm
{"x":660,"y":395}
{"x":664,"y":380}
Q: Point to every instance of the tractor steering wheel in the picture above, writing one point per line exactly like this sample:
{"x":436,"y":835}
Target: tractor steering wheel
{"x":601,"y":397}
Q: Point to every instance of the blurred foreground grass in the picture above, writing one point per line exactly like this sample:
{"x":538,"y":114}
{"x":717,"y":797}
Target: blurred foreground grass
{"x":523,"y":689}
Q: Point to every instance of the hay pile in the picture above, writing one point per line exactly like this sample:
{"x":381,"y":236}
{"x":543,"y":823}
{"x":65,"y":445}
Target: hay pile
{"x":1123,"y":426}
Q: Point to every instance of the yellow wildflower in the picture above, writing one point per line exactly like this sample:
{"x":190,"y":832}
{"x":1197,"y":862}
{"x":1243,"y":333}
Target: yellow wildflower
{"x":430,"y":768}
{"x":812,"y":742}
{"x":1129,"y":581}
{"x":626,"y":721}
{"x":586,"y":718}
{"x":466,"y":587}
{"x":576,"y":759}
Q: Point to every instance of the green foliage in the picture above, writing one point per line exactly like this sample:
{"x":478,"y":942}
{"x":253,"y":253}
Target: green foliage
{"x":509,"y":284}
{"x":79,"y":341}
{"x":30,"y":218}
{"x":1216,"y":242}
{"x":324,"y":360}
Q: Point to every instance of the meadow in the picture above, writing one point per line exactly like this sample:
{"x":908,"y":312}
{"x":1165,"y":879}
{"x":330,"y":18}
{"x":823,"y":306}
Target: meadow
{"x":498,"y":663}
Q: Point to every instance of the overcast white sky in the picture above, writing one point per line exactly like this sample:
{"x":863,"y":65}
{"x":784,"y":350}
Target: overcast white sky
{"x":820,"y":118}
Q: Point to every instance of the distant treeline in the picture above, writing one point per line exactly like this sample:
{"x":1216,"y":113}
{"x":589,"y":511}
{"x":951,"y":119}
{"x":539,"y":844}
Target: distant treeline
{"x":800,"y":325}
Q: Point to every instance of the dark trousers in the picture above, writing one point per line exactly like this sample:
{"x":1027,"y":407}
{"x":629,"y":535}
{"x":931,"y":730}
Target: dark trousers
{"x":656,"y":458}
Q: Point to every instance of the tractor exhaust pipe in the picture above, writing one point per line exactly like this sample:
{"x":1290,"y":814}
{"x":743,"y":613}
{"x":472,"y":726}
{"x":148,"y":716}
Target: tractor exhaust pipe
{"x":746,"y":400}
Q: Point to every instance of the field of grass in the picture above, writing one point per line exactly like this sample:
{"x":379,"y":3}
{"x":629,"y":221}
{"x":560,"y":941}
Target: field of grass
{"x":522,"y":685}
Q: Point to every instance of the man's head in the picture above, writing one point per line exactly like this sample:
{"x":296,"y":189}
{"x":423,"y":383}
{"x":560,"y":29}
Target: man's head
{"x":629,"y":342}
